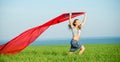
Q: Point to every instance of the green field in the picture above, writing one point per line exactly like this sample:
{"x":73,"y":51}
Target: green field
{"x":59,"y":53}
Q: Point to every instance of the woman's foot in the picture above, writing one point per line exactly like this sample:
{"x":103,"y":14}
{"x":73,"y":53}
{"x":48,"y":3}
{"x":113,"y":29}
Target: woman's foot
{"x":70,"y":53}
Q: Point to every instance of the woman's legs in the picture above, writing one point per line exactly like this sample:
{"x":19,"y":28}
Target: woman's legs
{"x":70,"y":53}
{"x":82,"y":49}
{"x":74,"y":46}
{"x":72,"y":49}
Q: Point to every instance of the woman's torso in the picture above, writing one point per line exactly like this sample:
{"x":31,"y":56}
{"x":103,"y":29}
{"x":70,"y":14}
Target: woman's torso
{"x":76,"y":33}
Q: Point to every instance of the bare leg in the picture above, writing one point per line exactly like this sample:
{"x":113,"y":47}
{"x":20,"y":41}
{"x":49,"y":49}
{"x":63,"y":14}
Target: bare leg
{"x":70,"y":53}
{"x":82,"y":50}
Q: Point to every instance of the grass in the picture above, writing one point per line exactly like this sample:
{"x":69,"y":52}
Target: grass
{"x":59,"y":53}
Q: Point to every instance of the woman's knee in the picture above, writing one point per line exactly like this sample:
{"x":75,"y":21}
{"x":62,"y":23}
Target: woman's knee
{"x":83,"y":48}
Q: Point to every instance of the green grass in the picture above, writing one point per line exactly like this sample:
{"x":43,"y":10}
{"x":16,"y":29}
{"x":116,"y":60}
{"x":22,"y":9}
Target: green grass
{"x":59,"y":53}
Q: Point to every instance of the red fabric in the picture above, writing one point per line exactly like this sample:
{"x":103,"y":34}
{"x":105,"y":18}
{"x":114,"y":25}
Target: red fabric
{"x":24,"y":39}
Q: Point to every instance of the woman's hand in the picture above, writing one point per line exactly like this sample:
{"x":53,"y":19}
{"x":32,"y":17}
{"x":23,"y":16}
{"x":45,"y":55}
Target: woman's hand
{"x":70,"y":14}
{"x":70,"y":22}
{"x":85,"y":14}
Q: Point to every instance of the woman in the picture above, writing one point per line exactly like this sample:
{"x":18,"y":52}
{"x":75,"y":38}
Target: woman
{"x":76,"y":27}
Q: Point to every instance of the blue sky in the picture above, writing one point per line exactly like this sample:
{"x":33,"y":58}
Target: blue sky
{"x":16,"y":16}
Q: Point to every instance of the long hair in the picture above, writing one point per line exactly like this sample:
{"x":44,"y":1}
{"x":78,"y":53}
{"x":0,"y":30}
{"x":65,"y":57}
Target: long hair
{"x":74,"y":24}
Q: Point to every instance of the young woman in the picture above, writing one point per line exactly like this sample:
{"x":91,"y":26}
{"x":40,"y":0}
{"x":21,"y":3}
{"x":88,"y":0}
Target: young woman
{"x":76,"y":27}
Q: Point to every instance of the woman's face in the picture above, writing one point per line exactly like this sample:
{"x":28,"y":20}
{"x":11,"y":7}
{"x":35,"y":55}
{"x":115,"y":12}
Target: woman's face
{"x":77,"y":22}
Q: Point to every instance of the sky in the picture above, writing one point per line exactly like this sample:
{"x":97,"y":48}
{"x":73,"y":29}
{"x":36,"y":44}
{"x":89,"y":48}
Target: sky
{"x":16,"y":16}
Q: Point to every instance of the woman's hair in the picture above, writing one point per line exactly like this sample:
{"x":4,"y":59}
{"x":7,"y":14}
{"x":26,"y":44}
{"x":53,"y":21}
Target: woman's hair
{"x":74,"y":24}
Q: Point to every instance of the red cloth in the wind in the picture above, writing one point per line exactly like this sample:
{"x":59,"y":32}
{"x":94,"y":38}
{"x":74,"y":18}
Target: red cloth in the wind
{"x":20,"y":42}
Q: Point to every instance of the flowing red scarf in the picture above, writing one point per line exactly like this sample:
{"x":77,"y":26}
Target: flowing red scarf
{"x":20,"y":42}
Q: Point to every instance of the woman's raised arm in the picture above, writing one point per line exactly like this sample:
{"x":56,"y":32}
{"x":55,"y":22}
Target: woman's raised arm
{"x":70,"y":22}
{"x":84,"y":19}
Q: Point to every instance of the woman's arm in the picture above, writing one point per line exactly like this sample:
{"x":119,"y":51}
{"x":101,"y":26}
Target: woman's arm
{"x":84,"y":20}
{"x":70,"y":22}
